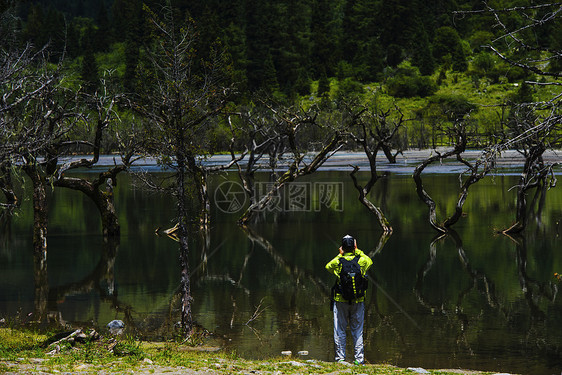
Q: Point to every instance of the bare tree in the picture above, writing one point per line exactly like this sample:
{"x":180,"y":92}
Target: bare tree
{"x":537,"y":174}
{"x":534,"y":124}
{"x":182,"y":103}
{"x":100,"y":115}
{"x":35,"y":114}
{"x":475,"y":172}
{"x":259,"y":131}
{"x":375,"y":133}
{"x":290,"y":122}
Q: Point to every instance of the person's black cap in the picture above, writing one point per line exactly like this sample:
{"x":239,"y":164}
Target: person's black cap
{"x":348,"y":243}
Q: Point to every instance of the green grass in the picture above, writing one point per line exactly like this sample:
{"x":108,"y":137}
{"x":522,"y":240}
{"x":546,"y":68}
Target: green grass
{"x":19,"y":349}
{"x":16,"y":344}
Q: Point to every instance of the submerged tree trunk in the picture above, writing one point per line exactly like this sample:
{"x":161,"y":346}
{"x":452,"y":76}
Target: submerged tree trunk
{"x":200,"y":179}
{"x":185,"y":286}
{"x":102,"y":200}
{"x":363,"y":192}
{"x":292,"y":173}
{"x":376,"y":134}
{"x":534,"y":176}
{"x":424,"y":196}
{"x":478,"y":170}
{"x":7,"y":188}
{"x":39,"y":241}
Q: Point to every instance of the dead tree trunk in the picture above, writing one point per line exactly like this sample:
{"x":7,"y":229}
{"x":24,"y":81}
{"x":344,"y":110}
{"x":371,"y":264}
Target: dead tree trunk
{"x":363,"y":192}
{"x":423,"y":195}
{"x":289,"y":124}
{"x":40,"y":220}
{"x":486,"y":162}
{"x":185,"y":285}
{"x":293,"y":172}
{"x":261,"y":138}
{"x":7,"y":188}
{"x":375,"y":135}
{"x":102,"y":200}
{"x":534,"y":176}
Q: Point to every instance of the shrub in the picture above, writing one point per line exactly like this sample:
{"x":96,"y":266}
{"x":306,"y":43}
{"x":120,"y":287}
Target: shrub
{"x":407,"y":82}
{"x":349,"y":88}
{"x":453,"y":106}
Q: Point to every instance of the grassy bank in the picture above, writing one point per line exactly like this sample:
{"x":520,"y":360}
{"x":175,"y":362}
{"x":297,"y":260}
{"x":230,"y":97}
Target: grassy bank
{"x":32,"y":352}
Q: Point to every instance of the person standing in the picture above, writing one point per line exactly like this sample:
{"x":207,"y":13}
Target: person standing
{"x":348,"y":297}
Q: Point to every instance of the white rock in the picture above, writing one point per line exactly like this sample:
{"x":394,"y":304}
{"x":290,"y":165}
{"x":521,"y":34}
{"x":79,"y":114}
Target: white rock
{"x":116,"y":327}
{"x":418,"y":370}
{"x":293,"y":363}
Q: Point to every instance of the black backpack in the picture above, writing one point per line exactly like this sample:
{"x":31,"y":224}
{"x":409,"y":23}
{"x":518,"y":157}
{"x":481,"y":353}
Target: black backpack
{"x":352,"y":284}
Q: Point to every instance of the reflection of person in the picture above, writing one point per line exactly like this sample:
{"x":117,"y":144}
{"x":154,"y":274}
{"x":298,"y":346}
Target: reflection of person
{"x":348,"y":311}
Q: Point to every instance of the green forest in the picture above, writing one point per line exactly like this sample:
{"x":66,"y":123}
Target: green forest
{"x":284,"y":46}
{"x":431,"y":59}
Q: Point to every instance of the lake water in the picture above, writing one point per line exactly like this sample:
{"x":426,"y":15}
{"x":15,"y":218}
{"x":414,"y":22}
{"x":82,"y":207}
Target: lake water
{"x":476,"y":300}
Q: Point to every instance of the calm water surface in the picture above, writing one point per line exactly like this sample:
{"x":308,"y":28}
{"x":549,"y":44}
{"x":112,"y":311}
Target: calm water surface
{"x":473,"y":300}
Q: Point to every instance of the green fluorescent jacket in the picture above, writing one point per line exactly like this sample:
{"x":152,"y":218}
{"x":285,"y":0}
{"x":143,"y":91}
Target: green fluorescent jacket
{"x":334,"y":266}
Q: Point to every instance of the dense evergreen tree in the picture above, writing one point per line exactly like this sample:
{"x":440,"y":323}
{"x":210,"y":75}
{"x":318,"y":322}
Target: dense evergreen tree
{"x":73,"y":40}
{"x":282,"y":45}
{"x":235,"y":43}
{"x":34,"y":27}
{"x":446,"y":42}
{"x":89,"y":71}
{"x":261,"y":71}
{"x":102,"y":33}
{"x":394,"y":55}
{"x":54,"y":28}
{"x":325,"y":28}
{"x":8,"y":25}
{"x":555,"y":42}
{"x":128,"y":22}
{"x":291,"y":46}
{"x":323,"y":85}
{"x":459,"y":63}
{"x":368,"y":57}
{"x":350,"y":32}
{"x":421,"y":53}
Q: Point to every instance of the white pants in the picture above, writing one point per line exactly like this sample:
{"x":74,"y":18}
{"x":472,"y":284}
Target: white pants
{"x":353,"y":314}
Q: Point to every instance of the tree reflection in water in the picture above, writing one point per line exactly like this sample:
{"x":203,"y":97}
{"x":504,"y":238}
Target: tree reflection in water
{"x":474,"y":301}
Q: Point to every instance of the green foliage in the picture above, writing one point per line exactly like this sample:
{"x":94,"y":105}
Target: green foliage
{"x":349,"y":88}
{"x":14,"y":341}
{"x":453,"y":107}
{"x":278,"y":47}
{"x":407,"y":82}
{"x":446,"y":40}
{"x":89,"y":71}
{"x":129,"y":348}
{"x":483,"y":64}
{"x":323,"y":86}
{"x":394,"y":55}
{"x":479,"y":39}
{"x":524,"y":94}
{"x":422,"y":56}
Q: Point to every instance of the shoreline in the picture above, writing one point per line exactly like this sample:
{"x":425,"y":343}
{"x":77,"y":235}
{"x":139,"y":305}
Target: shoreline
{"x":29,"y":352}
{"x":344,"y":160}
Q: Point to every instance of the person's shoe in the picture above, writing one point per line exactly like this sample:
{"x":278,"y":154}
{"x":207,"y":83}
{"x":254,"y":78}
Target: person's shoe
{"x":357,"y":363}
